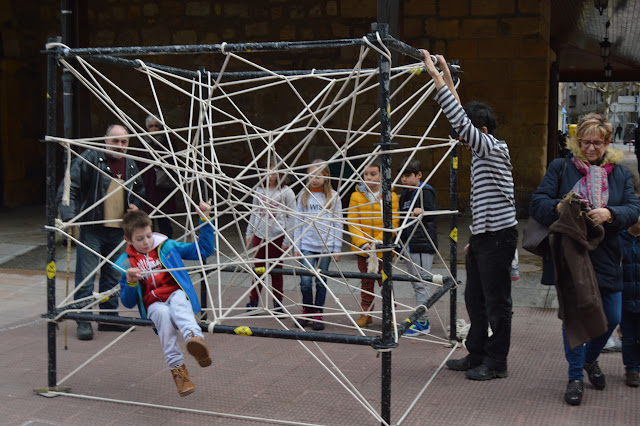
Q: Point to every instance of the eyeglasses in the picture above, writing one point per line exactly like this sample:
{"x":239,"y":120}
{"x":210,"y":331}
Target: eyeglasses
{"x":596,"y":144}
{"x":157,"y":126}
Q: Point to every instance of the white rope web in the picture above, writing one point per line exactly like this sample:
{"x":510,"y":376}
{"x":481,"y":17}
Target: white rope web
{"x":333,"y":116}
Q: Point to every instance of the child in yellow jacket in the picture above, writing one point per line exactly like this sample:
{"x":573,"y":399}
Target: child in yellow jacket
{"x":366,"y":229}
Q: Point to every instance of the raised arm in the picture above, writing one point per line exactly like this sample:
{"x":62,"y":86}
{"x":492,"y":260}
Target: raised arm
{"x":440,"y":80}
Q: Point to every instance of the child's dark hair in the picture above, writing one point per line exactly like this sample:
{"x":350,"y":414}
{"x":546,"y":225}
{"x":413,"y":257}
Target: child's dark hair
{"x":376,"y":163}
{"x":412,"y":166}
{"x":481,"y":115}
{"x":135,"y":220}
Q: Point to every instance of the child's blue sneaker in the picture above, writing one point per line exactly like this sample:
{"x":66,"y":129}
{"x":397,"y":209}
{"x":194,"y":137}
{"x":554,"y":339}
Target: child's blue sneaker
{"x":419,"y":327}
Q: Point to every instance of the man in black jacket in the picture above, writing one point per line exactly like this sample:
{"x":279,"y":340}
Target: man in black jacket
{"x":104,"y":185}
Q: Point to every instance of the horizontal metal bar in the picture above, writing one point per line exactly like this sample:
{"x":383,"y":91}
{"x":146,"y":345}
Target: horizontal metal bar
{"x":345,"y":274}
{"x":133,"y":63}
{"x":211,"y":48}
{"x":230,"y":329}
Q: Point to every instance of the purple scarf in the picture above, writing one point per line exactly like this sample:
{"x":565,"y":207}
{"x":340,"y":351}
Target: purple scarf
{"x":594,"y":186}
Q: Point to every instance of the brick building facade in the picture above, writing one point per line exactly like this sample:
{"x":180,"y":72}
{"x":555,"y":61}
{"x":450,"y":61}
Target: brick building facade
{"x":502,"y":46}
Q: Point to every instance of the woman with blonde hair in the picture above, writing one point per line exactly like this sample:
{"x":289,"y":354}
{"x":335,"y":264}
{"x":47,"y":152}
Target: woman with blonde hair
{"x":606,"y":195}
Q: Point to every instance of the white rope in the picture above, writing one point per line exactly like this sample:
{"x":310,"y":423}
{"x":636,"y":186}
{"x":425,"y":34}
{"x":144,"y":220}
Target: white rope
{"x":96,"y":355}
{"x":221,"y":120}
{"x":180,"y":409}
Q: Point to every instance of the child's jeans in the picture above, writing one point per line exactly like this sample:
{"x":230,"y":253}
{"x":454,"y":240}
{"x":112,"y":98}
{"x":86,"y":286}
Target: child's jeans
{"x":176,"y":312}
{"x":630,"y":327}
{"x":306,"y":281}
{"x":268,"y":250}
{"x":417,"y":264}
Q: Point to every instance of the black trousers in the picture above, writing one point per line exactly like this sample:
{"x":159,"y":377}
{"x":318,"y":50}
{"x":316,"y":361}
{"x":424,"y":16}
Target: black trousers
{"x":488,"y":296}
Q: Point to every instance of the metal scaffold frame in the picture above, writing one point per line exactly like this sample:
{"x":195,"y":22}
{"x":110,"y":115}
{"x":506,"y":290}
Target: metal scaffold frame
{"x":385,"y":343}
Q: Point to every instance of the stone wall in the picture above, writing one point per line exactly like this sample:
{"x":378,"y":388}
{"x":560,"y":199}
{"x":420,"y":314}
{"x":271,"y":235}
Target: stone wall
{"x":24,"y":28}
{"x":502,"y":46}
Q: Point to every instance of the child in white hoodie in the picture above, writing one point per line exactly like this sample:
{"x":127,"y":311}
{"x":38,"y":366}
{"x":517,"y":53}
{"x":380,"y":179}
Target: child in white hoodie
{"x":318,"y":232}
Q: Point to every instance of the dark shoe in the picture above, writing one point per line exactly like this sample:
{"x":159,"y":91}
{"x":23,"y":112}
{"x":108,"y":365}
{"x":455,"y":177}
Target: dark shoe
{"x":317,"y":323}
{"x":462,"y":364}
{"x":596,"y":377}
{"x":113,"y":327}
{"x":304,"y":321}
{"x":573,"y":395}
{"x":482,"y":372}
{"x":85,"y":331}
{"x":632,"y":379}
{"x":253,"y":303}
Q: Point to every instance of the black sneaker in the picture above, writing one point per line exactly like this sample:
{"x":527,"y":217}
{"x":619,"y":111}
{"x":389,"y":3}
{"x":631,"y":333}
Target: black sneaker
{"x":596,"y":377}
{"x":85,"y":331}
{"x":253,"y":303}
{"x":632,"y":378}
{"x":573,"y":395}
{"x":462,"y":364}
{"x":482,"y":372}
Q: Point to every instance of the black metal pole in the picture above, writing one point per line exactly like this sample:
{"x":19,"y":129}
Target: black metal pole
{"x":333,"y":274}
{"x":52,"y":76}
{"x":238,"y":330}
{"x":453,"y":240}
{"x":276,"y":46}
{"x":384,"y":105}
{"x":69,"y":37}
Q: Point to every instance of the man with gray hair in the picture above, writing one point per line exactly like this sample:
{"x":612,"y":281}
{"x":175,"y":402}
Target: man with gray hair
{"x":157,"y":181}
{"x":106,"y":183}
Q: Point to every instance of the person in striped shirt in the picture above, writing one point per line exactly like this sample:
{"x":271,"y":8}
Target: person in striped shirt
{"x":494,"y":236}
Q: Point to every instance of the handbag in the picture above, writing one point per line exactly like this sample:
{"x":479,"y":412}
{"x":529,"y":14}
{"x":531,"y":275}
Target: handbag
{"x":535,"y":238}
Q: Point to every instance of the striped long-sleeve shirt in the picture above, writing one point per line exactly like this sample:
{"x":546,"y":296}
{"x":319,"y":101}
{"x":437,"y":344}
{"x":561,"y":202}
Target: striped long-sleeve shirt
{"x":492,"y":200}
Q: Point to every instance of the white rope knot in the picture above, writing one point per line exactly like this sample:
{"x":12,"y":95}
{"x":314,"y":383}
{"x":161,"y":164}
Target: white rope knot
{"x":372,"y":263}
{"x":224,"y":43}
{"x":66,"y":194}
{"x":212,"y":324}
{"x":59,"y":224}
{"x":142,"y":64}
{"x":437,"y":279}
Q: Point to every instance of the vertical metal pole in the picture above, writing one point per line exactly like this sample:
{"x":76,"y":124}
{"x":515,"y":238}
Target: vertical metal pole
{"x":52,"y":74}
{"x":453,"y":240}
{"x":68,"y":21}
{"x":387,"y":215}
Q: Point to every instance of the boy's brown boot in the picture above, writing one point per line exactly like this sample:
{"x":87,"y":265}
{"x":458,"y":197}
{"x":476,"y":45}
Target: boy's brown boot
{"x":198,"y":349}
{"x":364,"y":321}
{"x":183,"y":381}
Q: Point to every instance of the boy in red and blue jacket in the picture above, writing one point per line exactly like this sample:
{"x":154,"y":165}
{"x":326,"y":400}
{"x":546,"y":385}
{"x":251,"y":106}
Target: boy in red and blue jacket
{"x":156,"y":281}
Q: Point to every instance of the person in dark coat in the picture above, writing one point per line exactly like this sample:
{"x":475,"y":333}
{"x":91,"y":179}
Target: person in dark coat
{"x":103,"y":186}
{"x":159,"y":186}
{"x":593,"y":174}
{"x":630,"y":324}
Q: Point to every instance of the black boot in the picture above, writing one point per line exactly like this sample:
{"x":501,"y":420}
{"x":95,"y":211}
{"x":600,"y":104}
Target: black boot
{"x":85,"y":331}
{"x":573,"y":395}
